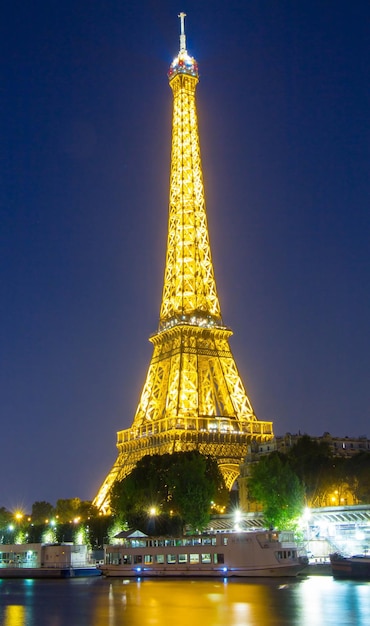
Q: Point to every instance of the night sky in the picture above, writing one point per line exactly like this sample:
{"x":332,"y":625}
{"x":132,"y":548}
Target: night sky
{"x":86,"y":112}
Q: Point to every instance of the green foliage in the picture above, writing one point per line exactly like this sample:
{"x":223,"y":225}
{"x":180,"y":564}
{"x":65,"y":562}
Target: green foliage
{"x":78,"y":521}
{"x":180,"y":486}
{"x":277,"y":488}
{"x":20,"y":536}
{"x":48,"y":535}
{"x":99,"y":528}
{"x":312,"y":461}
{"x":5,"y":517}
{"x":69,"y":509}
{"x":192,"y":489}
{"x":35,"y":533}
{"x":322,"y":473}
{"x":42,"y":511}
{"x":358,"y":476}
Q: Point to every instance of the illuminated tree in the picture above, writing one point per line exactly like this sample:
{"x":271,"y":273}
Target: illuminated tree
{"x":278,"y":489}
{"x":70,"y":509}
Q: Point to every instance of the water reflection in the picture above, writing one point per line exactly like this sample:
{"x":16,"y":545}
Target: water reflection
{"x":14,"y":615}
{"x":324,"y":601}
{"x":115,"y":602}
{"x":200,"y":602}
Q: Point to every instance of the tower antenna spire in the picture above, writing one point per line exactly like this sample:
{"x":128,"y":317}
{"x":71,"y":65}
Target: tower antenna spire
{"x":182,"y":32}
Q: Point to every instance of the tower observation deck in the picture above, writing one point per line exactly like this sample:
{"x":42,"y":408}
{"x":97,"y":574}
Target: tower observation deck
{"x":193,"y":397}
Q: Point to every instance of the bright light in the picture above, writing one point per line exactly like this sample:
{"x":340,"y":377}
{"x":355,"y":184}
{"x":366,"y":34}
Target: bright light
{"x":307,"y":513}
{"x":152,"y":511}
{"x":18,"y":516}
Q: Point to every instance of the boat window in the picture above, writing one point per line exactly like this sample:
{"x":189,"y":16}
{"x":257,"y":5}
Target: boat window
{"x":194,"y":558}
{"x":206,"y":541}
{"x":285,"y":554}
{"x":171,"y":558}
{"x":206,"y":558}
{"x":183,"y":558}
{"x":138,"y":559}
{"x":127,"y":559}
{"x":148,"y":558}
{"x":218,"y":558}
{"x":111,"y":558}
{"x":159,"y":558}
{"x":224,"y":540}
{"x":285,"y":536}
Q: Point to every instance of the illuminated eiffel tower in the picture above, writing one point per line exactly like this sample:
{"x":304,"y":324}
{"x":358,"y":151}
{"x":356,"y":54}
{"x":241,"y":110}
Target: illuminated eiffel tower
{"x":193,"y":396}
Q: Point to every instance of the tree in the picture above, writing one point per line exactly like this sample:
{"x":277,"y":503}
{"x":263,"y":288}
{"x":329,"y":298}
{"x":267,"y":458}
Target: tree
{"x":278,"y":489}
{"x":5,"y":517}
{"x":42,"y":511}
{"x":179,"y":485}
{"x":358,"y":476}
{"x":145,"y":488}
{"x":69,"y":509}
{"x":312,"y":462}
{"x":192,"y":490}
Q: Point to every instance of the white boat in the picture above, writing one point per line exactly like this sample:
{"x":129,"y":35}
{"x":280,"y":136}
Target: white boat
{"x":37,"y":560}
{"x":224,"y":554}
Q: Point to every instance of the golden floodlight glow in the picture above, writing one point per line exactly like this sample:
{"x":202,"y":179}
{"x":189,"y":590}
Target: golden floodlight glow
{"x":193,"y":397}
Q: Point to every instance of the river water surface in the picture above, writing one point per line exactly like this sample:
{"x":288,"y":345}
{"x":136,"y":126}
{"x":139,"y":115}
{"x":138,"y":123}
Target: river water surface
{"x":312,"y":601}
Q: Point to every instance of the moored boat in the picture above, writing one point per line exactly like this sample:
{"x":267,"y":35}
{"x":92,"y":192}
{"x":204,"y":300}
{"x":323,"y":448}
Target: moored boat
{"x":357,"y":566}
{"x":38,"y":560}
{"x":224,"y":554}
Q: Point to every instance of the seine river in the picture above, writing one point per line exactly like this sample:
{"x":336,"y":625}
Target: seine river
{"x":312,"y":601}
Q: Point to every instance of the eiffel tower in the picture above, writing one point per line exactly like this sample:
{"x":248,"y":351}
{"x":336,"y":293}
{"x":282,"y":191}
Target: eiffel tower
{"x":193,"y":396}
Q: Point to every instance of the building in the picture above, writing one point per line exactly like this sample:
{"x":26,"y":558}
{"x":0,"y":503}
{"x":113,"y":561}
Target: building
{"x":339,"y":446}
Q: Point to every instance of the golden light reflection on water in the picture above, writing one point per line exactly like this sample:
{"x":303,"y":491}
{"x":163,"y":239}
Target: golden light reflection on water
{"x":15,"y":615}
{"x":184,"y":603}
{"x":314,"y":601}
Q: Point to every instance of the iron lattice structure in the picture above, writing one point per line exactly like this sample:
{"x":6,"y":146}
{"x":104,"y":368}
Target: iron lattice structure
{"x":193,"y":396}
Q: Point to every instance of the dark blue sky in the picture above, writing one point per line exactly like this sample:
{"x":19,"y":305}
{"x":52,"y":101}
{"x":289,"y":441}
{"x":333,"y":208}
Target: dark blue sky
{"x":283,"y":105}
